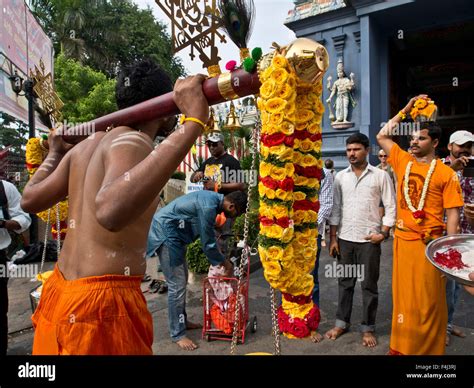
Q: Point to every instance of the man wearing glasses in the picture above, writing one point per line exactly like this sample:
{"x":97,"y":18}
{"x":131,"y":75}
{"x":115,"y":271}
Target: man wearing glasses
{"x":221,"y":171}
{"x":385,"y":166}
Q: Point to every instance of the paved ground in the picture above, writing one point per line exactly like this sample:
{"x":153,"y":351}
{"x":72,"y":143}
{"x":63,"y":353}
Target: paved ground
{"x":21,"y":334}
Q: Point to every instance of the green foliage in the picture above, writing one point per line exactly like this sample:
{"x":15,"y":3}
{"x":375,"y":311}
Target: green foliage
{"x":13,"y":133}
{"x":86,"y":93}
{"x":106,"y":34}
{"x":238,"y":227}
{"x":249,"y":65}
{"x":257,"y":54}
{"x":197,"y":260}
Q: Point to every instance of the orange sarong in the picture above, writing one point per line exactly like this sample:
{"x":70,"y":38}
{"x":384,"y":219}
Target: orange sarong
{"x":98,"y":315}
{"x":420,"y":313}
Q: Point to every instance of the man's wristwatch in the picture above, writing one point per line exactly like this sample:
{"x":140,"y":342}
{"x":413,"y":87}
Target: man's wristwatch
{"x":385,"y":234}
{"x":3,"y":223}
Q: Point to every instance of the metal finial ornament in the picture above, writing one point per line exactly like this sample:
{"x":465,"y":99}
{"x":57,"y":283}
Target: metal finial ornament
{"x":194,"y":24}
{"x":44,"y":89}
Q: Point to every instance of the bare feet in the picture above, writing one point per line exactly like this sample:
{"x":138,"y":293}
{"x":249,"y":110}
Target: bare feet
{"x":193,"y":326}
{"x":335,"y":333}
{"x":316,"y":337}
{"x":458,"y":332}
{"x":186,"y":344}
{"x":368,"y":339}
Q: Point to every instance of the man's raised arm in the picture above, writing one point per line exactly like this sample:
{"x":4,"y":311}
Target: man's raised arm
{"x":384,"y":137}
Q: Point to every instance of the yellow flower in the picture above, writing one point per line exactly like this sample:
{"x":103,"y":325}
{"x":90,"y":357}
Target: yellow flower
{"x":319,"y":107}
{"x":299,"y":196}
{"x":306,"y":145}
{"x":304,"y":115}
{"x":290,"y":170}
{"x":270,"y":129}
{"x":276,"y":253}
{"x":309,"y":253}
{"x":298,"y":217}
{"x":271,"y":269}
{"x":290,"y":110}
{"x":287,"y":128}
{"x":276,"y":118}
{"x":308,"y":161}
{"x":268,"y":89}
{"x":318,"y":88}
{"x":314,"y":128}
{"x":313,"y":183}
{"x":301,"y":180}
{"x":265,"y":169}
{"x":302,"y":241}
{"x":280,"y":211}
{"x":279,"y":61}
{"x":311,"y":216}
{"x":291,"y":81}
{"x":301,"y":126}
{"x":287,"y":235}
{"x":421,"y":103}
{"x":278,"y":173}
{"x":275,"y":105}
{"x":284,"y":195}
{"x":284,"y":91}
{"x":279,"y":75}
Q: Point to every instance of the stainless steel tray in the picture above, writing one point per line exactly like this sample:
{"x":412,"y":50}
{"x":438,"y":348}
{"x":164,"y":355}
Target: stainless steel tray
{"x":460,"y":242}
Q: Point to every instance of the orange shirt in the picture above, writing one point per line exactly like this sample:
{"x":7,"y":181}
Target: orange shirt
{"x":444,"y":192}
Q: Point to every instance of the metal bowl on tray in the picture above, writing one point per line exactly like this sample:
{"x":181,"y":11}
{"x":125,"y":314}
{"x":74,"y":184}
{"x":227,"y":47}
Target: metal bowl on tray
{"x":463,"y":243}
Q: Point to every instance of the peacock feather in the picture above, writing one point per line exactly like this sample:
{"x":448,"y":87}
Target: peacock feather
{"x":237,"y":17}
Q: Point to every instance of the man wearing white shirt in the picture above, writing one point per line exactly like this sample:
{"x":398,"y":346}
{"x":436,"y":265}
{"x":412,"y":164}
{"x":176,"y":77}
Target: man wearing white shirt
{"x":12,"y":218}
{"x":358,"y":192}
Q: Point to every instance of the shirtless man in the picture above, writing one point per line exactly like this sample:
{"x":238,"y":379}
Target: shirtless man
{"x":92,"y":304}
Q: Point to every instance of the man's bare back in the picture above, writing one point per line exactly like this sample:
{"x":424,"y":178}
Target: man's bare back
{"x":89,"y":248}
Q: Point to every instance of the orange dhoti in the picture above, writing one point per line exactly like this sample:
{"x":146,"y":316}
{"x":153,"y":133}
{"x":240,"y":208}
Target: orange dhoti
{"x":420,"y":313}
{"x":99,"y":315}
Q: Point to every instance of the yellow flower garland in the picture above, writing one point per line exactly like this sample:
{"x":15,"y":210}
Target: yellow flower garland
{"x":288,"y":254}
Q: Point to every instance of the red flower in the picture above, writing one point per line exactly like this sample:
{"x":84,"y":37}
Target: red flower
{"x":284,"y":222}
{"x":316,"y":137}
{"x":306,"y":205}
{"x":301,"y":135}
{"x":299,"y":328}
{"x":273,"y":140}
{"x":269,"y":182}
{"x":265,"y":221}
{"x":290,"y":140}
{"x":419,"y":214}
{"x":300,"y":299}
{"x":313,"y":318}
{"x":287,"y":184}
{"x":312,"y":172}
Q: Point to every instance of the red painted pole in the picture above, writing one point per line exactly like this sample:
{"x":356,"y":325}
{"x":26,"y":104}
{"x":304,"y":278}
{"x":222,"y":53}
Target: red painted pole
{"x":218,"y":89}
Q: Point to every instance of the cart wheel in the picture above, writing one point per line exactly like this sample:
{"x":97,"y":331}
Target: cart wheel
{"x":254,"y":325}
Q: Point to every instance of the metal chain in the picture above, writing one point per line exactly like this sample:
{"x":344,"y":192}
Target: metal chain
{"x":275,"y":328}
{"x":43,"y":256}
{"x":58,"y":231}
{"x":244,"y":259}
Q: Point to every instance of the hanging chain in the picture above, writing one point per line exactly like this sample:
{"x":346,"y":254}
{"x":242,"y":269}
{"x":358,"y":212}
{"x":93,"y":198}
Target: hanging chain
{"x":244,"y":259}
{"x":43,"y":256}
{"x":275,"y":328}
{"x":58,"y":231}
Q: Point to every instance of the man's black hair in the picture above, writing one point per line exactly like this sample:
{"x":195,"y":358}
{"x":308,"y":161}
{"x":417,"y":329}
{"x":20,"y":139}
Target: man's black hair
{"x":434,"y":130}
{"x":358,"y":138}
{"x":239,"y":199}
{"x":329,"y":164}
{"x":141,"y":81}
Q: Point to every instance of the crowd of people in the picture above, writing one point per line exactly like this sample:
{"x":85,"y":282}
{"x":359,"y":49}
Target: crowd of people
{"x":113,"y":180}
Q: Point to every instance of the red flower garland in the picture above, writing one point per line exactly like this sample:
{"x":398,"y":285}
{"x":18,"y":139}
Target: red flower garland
{"x":306,"y":205}
{"x":298,"y":327}
{"x":284,"y":222}
{"x":300,"y":299}
{"x":286,"y":184}
{"x":309,"y":172}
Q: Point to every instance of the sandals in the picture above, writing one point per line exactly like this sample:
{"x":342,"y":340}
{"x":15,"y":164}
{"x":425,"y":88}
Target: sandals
{"x":158,"y":286}
{"x":146,"y":278}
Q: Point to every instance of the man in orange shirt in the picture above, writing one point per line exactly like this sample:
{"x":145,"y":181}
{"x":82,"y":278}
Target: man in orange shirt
{"x":419,"y":299}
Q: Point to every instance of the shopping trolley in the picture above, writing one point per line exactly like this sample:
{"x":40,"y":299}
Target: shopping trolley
{"x":219,"y":312}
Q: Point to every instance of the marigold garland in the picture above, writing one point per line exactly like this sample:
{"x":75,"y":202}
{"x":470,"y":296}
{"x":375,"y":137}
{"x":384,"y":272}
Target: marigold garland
{"x":290,"y":171}
{"x":35,"y":155}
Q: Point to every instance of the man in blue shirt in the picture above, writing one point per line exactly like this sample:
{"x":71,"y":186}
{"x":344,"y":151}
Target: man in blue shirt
{"x":174,"y":227}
